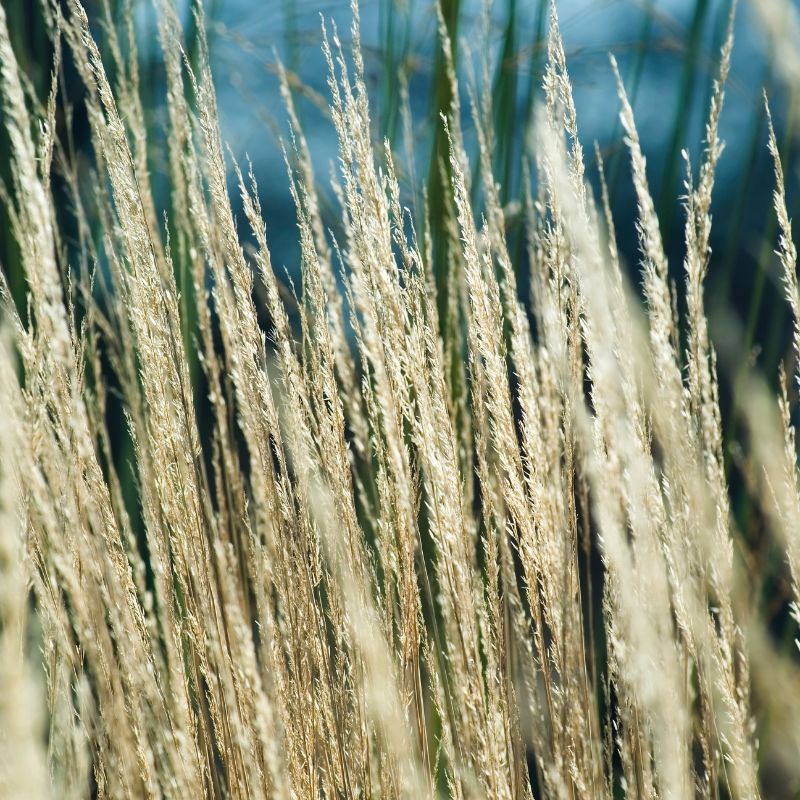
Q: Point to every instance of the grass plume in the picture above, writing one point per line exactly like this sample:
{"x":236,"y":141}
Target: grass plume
{"x":372,"y":552}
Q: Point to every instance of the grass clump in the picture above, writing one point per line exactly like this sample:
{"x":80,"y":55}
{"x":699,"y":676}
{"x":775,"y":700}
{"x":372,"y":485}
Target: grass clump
{"x":343,"y":547}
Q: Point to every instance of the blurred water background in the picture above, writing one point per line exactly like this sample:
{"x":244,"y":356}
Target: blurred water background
{"x":668,"y":55}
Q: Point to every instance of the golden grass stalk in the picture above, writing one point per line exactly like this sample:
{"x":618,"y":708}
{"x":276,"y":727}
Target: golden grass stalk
{"x":366,"y":554}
